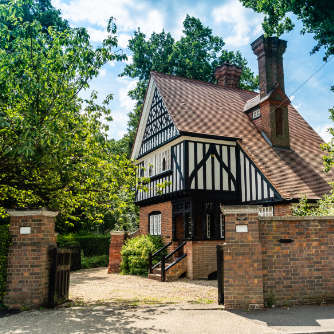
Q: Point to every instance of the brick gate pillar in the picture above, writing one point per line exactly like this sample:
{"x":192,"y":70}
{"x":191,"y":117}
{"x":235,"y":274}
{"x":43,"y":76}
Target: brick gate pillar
{"x":117,"y":240}
{"x":32,"y":232}
{"x":242,"y":264}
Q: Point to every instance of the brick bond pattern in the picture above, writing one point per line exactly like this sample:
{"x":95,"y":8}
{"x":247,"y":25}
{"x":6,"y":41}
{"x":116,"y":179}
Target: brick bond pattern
{"x":259,"y":269}
{"x":117,"y":240}
{"x":28,"y":263}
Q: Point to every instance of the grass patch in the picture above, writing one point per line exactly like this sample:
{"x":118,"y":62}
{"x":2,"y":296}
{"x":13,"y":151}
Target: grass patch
{"x":202,"y":301}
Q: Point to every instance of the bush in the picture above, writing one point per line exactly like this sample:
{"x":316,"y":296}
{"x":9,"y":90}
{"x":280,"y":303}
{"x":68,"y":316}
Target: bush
{"x":4,"y":245}
{"x":91,"y":244}
{"x":94,"y":261}
{"x":135,"y":254}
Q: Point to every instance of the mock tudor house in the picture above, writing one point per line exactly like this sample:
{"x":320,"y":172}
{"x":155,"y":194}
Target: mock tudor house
{"x":216,"y":144}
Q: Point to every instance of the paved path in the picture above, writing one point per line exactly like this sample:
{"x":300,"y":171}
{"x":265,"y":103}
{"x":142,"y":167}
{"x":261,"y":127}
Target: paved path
{"x":133,"y":305}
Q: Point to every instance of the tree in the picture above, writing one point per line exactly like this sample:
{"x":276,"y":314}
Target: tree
{"x":54,"y":148}
{"x":194,"y":56}
{"x":317,"y":17}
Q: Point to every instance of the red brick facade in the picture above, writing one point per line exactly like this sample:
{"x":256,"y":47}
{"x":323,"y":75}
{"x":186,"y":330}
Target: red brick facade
{"x":283,"y":209}
{"x":279,"y":260}
{"x":28,"y":262}
{"x":166,"y":219}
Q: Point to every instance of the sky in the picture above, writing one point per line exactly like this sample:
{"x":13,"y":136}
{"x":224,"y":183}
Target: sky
{"x":237,"y":25}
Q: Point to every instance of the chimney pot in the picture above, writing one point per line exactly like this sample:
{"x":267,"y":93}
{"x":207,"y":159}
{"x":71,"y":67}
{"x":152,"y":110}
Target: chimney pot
{"x":228,"y":75}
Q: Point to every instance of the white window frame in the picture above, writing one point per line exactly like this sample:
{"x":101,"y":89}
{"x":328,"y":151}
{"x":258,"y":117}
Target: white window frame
{"x":208,"y":226}
{"x":155,"y":224}
{"x":256,"y":113}
{"x":221,"y":226}
{"x":266,"y":211}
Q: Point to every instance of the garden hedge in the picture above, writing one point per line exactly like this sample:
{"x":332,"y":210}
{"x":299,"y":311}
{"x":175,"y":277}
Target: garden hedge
{"x":4,"y":246}
{"x":91,"y":244}
{"x":135,"y":254}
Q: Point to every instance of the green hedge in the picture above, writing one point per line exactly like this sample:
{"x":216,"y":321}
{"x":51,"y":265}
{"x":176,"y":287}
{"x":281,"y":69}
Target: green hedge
{"x":4,"y":245}
{"x":94,"y":261}
{"x":135,"y":254}
{"x":90,"y":244}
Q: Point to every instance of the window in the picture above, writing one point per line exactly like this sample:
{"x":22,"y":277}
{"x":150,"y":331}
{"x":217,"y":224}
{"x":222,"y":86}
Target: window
{"x":150,"y":171}
{"x":256,"y":114}
{"x":188,"y":225}
{"x":155,"y":223}
{"x":266,"y":211}
{"x":164,"y":166}
{"x":222,"y":226}
{"x":279,"y":122}
{"x":208,"y":226}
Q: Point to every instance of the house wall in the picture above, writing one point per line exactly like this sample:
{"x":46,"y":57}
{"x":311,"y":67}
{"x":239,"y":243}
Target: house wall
{"x":201,"y":258}
{"x":260,"y":269}
{"x":166,"y":219}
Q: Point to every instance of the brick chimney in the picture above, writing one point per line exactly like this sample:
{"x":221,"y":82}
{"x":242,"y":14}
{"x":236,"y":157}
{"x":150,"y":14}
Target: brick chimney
{"x":228,"y":75}
{"x":273,"y":101}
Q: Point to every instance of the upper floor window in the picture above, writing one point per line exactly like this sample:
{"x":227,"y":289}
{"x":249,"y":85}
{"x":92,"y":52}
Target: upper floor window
{"x":279,"y":122}
{"x":256,"y":114}
{"x":164,"y":166}
{"x":155,"y":223}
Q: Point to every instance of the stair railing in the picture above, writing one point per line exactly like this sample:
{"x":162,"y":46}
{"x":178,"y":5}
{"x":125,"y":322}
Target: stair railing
{"x":154,"y":255}
{"x":163,"y":260}
{"x":162,"y":263}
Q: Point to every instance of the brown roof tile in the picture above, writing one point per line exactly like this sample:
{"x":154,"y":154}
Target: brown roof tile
{"x":205,"y":108}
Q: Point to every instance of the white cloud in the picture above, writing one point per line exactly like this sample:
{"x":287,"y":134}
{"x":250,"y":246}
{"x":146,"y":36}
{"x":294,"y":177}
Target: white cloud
{"x":97,"y":35}
{"x":129,"y":61}
{"x":128,"y":14}
{"x":123,"y":40}
{"x":244,"y":23}
{"x":323,"y":132}
{"x":125,"y":101}
{"x":103,"y":72}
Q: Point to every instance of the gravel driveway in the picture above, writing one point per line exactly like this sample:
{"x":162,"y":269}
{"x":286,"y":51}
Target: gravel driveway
{"x":93,"y":285}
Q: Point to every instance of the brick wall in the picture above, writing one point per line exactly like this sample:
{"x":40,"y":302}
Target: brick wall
{"x":166,"y":219}
{"x":28,"y":262}
{"x":116,"y":242}
{"x":242,"y":267}
{"x":283,"y":209}
{"x":301,"y":271}
{"x":201,"y":258}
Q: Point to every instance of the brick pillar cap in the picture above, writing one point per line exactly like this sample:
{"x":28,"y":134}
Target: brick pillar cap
{"x":37,"y":212}
{"x":235,"y":209}
{"x":118,"y":232}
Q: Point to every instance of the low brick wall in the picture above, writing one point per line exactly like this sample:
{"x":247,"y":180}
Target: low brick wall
{"x":201,"y":258}
{"x":33,"y":232}
{"x":301,"y":271}
{"x":277,"y":260}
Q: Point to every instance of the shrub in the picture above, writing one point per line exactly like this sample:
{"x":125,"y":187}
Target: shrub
{"x":4,"y":245}
{"x":91,"y":244}
{"x":94,"y":261}
{"x":135,"y":254}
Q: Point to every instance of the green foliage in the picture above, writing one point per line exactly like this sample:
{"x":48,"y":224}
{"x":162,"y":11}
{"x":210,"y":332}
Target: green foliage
{"x":323,"y":207}
{"x":195,"y":56}
{"x":94,"y":261}
{"x":317,"y":17}
{"x":328,"y":148}
{"x":54,"y":148}
{"x":4,"y":245}
{"x":91,"y":244}
{"x":135,"y":254}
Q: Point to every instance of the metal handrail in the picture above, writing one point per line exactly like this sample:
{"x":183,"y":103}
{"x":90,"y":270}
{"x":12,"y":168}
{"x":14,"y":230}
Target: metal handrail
{"x":152,"y":256}
{"x":161,"y":249}
{"x":175,"y":250}
{"x":175,"y":262}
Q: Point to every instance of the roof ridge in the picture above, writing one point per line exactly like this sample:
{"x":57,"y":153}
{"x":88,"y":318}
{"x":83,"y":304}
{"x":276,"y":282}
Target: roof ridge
{"x":177,"y":77}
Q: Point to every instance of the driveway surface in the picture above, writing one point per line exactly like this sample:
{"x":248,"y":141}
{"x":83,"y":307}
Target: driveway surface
{"x":131,"y":305}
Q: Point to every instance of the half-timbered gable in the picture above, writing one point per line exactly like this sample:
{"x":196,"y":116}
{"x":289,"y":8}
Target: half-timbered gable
{"x":203,"y":146}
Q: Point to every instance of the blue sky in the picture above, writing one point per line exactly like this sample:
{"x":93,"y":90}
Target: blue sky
{"x":227,"y":18}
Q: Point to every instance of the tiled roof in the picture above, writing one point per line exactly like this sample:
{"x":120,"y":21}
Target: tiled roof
{"x":204,"y":108}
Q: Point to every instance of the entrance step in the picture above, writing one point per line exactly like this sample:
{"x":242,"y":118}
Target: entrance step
{"x":156,"y":277}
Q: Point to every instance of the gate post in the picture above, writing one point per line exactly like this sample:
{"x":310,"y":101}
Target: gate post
{"x":32,"y":232}
{"x":220,"y":274}
{"x":243,"y":275}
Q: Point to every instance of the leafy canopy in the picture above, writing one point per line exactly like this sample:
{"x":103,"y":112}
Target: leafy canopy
{"x":54,"y":148}
{"x":317,"y":17}
{"x":194,"y":56}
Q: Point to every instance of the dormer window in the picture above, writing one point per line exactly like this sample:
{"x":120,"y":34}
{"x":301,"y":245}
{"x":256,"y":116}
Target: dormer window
{"x":164,"y":165}
{"x":256,"y":114}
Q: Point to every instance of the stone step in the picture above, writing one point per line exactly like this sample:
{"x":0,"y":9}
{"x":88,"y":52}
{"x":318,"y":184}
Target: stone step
{"x":156,"y":277}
